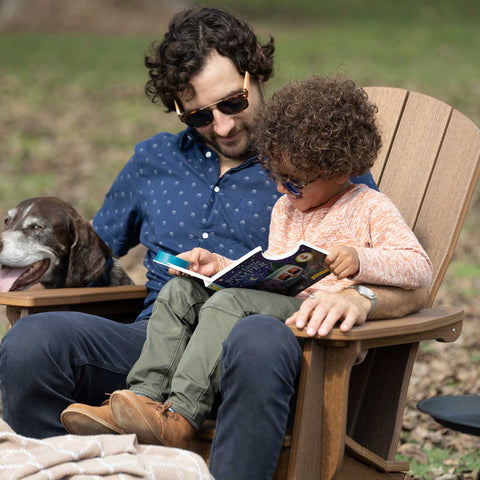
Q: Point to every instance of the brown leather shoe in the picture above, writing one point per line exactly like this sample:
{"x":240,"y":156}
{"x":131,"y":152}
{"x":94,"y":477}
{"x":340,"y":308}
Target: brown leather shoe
{"x":151,"y":421}
{"x":83,"y":419}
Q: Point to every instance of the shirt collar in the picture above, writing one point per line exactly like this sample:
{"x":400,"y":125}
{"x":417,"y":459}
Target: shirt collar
{"x":188,"y":137}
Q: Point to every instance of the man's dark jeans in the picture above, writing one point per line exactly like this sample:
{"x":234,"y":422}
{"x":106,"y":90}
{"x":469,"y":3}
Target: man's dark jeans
{"x":260,"y":363}
{"x":50,"y":360}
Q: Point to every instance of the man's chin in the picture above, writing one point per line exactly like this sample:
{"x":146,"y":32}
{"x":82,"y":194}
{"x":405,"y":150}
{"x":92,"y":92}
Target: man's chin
{"x":241,"y":151}
{"x":232,"y":154}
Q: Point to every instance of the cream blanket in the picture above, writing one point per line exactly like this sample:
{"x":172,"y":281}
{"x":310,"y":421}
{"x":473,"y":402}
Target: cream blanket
{"x":99,"y":457}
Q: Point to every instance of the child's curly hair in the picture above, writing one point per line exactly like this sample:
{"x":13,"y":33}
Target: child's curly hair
{"x":322,"y":126}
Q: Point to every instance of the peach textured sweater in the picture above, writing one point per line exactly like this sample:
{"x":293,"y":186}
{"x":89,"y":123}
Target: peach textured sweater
{"x":360,"y":217}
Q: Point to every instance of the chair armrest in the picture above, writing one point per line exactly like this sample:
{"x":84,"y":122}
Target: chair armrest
{"x":439,"y":323}
{"x":105,"y":301}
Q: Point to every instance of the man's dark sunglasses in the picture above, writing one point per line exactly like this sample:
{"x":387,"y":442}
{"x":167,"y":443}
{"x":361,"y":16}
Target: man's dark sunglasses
{"x":229,"y":106}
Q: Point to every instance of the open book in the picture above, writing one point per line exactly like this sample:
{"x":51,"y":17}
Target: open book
{"x":287,"y":274}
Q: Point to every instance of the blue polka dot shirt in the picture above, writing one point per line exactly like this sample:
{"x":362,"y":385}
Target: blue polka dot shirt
{"x":170,"y":197}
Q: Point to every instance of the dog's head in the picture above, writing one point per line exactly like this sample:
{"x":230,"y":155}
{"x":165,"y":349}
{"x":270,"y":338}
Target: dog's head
{"x":45,"y":240}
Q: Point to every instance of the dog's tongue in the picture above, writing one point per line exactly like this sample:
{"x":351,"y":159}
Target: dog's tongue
{"x":8,"y":276}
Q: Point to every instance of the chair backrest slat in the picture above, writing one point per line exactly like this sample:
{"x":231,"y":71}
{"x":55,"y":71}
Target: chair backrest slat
{"x":390,"y":103}
{"x":428,"y":166}
{"x":449,"y":193}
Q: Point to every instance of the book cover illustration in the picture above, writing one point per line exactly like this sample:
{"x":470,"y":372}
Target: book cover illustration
{"x":287,"y":274}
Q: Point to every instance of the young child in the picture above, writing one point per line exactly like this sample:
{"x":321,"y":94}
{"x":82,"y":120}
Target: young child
{"x":313,"y":135}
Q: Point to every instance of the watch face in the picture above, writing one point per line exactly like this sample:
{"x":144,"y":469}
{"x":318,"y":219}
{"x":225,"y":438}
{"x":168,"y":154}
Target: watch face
{"x":365,"y":291}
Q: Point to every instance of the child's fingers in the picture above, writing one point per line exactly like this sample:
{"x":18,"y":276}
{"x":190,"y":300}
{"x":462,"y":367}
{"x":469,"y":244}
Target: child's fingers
{"x":345,"y":265}
{"x":343,"y":270}
{"x":339,"y":266}
{"x":332,"y":257}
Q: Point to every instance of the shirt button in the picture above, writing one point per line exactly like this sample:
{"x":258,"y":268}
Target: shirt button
{"x":205,"y":235}
{"x":216,"y":189}
{"x":208,"y":154}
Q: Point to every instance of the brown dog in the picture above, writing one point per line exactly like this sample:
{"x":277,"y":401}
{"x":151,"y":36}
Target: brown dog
{"x":46,"y":240}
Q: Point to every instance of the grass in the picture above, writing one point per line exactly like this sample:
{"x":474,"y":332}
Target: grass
{"x":70,"y":104}
{"x":465,"y":270}
{"x":464,"y":278}
{"x":304,"y":11}
{"x":442,"y":461}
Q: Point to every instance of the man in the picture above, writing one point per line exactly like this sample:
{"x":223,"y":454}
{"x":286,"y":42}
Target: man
{"x":198,"y":188}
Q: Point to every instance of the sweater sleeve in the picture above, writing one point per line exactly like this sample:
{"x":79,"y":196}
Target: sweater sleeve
{"x":283,"y":235}
{"x":396,"y":257}
{"x":222,"y":262}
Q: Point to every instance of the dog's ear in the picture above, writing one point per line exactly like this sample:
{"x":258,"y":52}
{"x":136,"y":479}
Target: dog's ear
{"x":88,"y":255}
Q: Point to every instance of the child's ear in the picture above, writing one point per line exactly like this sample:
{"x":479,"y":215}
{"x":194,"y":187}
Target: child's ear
{"x":341,"y":180}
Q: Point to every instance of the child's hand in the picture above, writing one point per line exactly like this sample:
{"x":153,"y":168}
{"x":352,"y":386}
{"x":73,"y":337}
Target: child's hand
{"x":201,"y":261}
{"x":343,"y":261}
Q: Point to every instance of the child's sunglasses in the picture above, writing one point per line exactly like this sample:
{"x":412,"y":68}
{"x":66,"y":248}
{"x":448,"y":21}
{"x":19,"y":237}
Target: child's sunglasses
{"x":293,"y":188}
{"x":229,"y":106}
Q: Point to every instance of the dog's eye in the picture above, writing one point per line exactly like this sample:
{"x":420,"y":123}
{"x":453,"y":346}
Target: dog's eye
{"x":6,"y":222}
{"x":35,"y":226}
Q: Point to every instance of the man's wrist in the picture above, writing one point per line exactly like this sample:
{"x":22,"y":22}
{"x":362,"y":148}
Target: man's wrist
{"x":369,"y":298}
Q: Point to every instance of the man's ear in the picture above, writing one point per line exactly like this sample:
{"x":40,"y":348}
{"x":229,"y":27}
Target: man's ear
{"x":88,"y":255}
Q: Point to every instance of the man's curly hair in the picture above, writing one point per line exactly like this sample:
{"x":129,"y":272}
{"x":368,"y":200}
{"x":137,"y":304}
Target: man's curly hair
{"x":192,"y":35}
{"x":322,"y":126}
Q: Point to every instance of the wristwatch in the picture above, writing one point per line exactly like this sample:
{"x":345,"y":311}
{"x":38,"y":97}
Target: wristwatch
{"x":367,"y":293}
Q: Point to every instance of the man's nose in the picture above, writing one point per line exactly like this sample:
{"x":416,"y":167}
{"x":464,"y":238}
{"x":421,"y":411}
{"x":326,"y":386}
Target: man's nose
{"x":222,"y":123}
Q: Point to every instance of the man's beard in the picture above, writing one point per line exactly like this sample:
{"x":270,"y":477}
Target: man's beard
{"x":240,"y":152}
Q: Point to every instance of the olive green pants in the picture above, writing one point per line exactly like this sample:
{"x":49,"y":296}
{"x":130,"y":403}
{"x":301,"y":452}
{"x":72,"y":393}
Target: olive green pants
{"x":180,"y":360}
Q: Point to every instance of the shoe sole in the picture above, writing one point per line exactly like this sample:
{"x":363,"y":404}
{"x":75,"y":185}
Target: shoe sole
{"x":79,"y":422}
{"x":120,"y":404}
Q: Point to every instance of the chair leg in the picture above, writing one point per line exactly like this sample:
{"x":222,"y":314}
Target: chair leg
{"x":321,"y":412}
{"x":377,"y":398}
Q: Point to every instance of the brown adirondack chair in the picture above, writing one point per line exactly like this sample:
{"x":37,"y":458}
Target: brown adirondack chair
{"x":348,"y":418}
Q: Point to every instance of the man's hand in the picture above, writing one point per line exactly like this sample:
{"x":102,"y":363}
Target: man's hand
{"x":201,"y":261}
{"x":343,"y":261}
{"x":320,"y":313}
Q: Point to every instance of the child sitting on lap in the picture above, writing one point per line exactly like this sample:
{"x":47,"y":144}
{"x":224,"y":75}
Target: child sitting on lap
{"x":313,"y":135}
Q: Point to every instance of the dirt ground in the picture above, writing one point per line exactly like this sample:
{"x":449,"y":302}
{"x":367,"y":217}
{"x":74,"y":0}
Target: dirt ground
{"x":105,"y":17}
{"x":440,"y":369}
